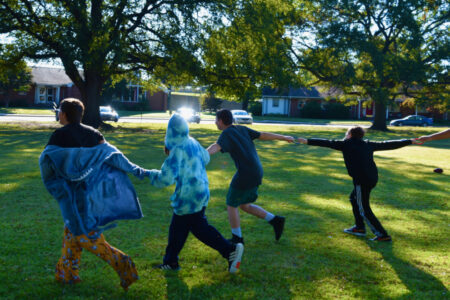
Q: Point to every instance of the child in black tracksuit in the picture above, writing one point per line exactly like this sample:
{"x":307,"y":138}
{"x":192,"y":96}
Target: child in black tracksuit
{"x":358,"y":157}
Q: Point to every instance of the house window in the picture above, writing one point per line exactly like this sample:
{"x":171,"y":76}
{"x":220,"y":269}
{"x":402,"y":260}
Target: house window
{"x":42,"y":94}
{"x":50,"y":97}
{"x":275,"y":103}
{"x":299,"y":104}
{"x":46,"y":94}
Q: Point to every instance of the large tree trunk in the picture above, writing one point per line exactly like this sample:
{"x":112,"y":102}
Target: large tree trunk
{"x":379,"y":118}
{"x":7,"y":99}
{"x":91,"y":98}
{"x":245,"y":101}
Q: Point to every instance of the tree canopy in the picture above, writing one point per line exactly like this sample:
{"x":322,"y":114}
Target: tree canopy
{"x":98,"y":39}
{"x":376,"y":50}
{"x":239,"y":59}
{"x":371,"y":49}
{"x":15,"y":75}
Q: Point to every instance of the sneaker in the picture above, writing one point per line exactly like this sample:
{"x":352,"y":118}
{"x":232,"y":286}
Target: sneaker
{"x":278,"y":225}
{"x":234,"y":259}
{"x":355,"y":231}
{"x":172,"y":266}
{"x":236,"y":239}
{"x":385,"y":238}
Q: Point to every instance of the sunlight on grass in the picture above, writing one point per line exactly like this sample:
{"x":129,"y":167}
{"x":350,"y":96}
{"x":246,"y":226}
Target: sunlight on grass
{"x":308,"y":185}
{"x":8,"y":187}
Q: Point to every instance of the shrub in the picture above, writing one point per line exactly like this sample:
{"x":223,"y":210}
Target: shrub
{"x":20,"y":102}
{"x":336,"y":111}
{"x":255,"y":108}
{"x":210,"y":103}
{"x":311,"y":109}
{"x":132,"y":106}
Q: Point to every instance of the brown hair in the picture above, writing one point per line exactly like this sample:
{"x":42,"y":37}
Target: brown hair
{"x":73,"y":108}
{"x":225,"y":115}
{"x":357,"y":132}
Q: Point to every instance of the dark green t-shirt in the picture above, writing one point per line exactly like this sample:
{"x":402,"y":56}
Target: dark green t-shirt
{"x":238,"y":141}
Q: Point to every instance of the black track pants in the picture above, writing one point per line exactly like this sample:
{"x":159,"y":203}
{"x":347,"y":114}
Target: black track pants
{"x":359,"y":199}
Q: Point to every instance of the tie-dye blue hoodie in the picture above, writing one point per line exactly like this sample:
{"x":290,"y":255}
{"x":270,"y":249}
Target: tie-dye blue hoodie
{"x":185,"y":166}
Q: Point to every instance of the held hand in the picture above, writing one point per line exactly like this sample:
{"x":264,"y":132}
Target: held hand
{"x":289,"y":139}
{"x":423,"y":138}
{"x":417,"y":141}
{"x":302,"y":140}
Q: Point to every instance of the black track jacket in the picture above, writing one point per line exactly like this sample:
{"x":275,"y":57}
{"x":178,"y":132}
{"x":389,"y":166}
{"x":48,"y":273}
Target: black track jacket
{"x":358,"y":156}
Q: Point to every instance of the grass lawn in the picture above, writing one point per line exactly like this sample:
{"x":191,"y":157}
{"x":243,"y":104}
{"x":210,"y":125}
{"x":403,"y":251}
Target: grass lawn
{"x":308,"y":185}
{"x":29,"y":111}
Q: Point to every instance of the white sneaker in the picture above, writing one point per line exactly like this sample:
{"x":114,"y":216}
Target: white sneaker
{"x":234,"y":259}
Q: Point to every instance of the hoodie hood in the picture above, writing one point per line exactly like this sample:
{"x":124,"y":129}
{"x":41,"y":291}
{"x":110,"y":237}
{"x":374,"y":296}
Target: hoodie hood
{"x":177,"y":131}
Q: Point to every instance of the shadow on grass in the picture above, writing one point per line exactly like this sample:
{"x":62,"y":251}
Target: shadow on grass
{"x":176,"y":288}
{"x":417,"y":281}
{"x":232,"y":286}
{"x":312,"y":255}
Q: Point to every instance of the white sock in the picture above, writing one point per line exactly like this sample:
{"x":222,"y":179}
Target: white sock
{"x":269,"y":217}
{"x":236,"y":231}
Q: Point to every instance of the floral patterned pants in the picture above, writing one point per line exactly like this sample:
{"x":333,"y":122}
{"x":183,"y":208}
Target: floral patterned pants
{"x":68,"y":264}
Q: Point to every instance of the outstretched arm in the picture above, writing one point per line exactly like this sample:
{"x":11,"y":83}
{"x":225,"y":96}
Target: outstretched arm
{"x":334,"y":144}
{"x":437,"y":136}
{"x":166,"y":176}
{"x":268,"y":136}
{"x":390,"y":145}
{"x":214,"y":148}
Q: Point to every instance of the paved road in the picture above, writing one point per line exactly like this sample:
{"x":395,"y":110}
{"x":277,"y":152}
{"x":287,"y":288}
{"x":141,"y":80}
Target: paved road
{"x":46,"y":118}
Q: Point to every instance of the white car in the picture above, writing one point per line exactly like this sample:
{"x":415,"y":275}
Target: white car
{"x":107,"y":113}
{"x":189,"y":114}
{"x":241,"y":117}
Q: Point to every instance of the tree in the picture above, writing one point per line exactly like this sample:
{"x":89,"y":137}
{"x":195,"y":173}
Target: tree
{"x":246,"y":54}
{"x":374,"y":49}
{"x":97,"y":39}
{"x":15,"y":76}
{"x":210,"y":102}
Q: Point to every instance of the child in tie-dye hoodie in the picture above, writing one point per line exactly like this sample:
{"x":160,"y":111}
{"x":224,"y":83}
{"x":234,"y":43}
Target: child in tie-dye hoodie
{"x":185,"y":167}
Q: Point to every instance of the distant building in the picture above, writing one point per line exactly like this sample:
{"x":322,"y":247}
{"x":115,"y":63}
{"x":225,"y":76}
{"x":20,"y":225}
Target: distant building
{"x":289,"y":101}
{"x":49,"y":85}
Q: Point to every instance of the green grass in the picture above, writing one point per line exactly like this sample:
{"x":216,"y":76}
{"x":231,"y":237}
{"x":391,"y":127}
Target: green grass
{"x":31,"y":111}
{"x":308,"y":185}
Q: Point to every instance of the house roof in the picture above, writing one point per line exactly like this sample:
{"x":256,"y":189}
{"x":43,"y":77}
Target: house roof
{"x":49,"y":76}
{"x":291,"y":92}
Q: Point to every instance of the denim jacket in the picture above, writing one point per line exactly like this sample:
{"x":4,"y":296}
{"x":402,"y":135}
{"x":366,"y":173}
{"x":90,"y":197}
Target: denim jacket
{"x":186,"y":167}
{"x":91,"y":186}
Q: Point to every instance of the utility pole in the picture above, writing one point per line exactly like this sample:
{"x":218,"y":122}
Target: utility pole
{"x":168,"y":99}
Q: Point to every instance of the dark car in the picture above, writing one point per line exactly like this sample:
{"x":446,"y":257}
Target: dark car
{"x":412,"y":120}
{"x":189,"y":114}
{"x":107,"y":113}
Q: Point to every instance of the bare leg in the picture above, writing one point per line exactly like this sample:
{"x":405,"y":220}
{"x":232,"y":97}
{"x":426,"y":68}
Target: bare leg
{"x":255,"y":210}
{"x":233,"y":217}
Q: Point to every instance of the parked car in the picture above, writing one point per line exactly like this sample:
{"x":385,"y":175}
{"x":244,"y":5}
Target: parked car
{"x":412,"y":120}
{"x":189,"y":114}
{"x":107,"y":113}
{"x":241,"y":117}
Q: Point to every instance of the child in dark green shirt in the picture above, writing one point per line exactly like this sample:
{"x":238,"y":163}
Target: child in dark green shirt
{"x":243,"y":191}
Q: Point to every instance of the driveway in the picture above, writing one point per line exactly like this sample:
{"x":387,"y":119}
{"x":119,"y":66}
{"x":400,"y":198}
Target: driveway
{"x":47,"y":118}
